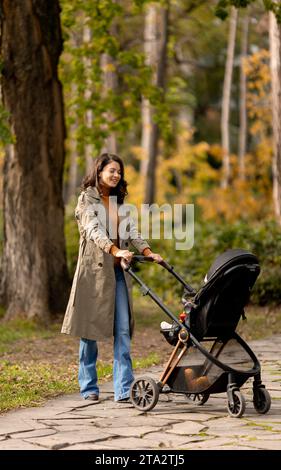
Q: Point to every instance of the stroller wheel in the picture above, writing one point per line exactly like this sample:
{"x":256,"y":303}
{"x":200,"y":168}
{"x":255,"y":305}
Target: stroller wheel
{"x":197,"y":399}
{"x":237,"y":409}
{"x":261,"y":400}
{"x":144,"y":393}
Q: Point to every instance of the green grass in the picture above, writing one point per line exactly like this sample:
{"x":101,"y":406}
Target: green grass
{"x":15,"y":330}
{"x":28,"y":385}
{"x":260,"y":323}
{"x":31,"y":384}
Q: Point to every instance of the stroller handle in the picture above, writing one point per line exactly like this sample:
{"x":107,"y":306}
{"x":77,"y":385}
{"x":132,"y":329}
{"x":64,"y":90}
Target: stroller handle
{"x":142,"y":259}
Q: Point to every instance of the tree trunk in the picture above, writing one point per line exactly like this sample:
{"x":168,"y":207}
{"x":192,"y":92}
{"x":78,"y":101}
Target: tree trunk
{"x":156,"y":26}
{"x":243,"y":93}
{"x":87,"y":37}
{"x":275,"y":65}
{"x":226,"y":98}
{"x":109,"y":85}
{"x":34,"y":279}
{"x":71,"y":186}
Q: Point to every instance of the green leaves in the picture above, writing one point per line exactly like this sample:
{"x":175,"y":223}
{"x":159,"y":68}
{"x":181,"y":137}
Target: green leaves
{"x":221,"y":9}
{"x":113,"y":90}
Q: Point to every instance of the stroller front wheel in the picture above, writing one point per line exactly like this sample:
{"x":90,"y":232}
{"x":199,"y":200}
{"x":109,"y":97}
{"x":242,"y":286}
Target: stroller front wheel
{"x":144,"y":393}
{"x":261,"y":400}
{"x":237,"y":408}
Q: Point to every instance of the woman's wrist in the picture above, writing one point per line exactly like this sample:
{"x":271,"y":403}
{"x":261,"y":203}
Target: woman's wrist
{"x":114,"y":250}
{"x":146,"y":252}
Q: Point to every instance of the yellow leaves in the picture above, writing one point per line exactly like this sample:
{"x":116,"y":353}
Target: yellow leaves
{"x":127,"y":103}
{"x":109,"y":68}
{"x":248,"y":199}
{"x":235,"y":203}
{"x":135,"y":181}
{"x":257,"y":71}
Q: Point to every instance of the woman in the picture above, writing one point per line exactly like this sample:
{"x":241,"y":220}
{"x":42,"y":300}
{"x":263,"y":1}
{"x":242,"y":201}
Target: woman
{"x":100,"y":304}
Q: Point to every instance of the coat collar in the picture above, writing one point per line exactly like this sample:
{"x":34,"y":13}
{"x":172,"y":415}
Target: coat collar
{"x":92,"y":191}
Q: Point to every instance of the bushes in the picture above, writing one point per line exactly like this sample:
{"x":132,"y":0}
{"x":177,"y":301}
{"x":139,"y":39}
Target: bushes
{"x":264,"y":240}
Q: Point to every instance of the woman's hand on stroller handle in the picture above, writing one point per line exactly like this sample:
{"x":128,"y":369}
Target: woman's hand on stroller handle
{"x":125,"y":254}
{"x":153,"y":257}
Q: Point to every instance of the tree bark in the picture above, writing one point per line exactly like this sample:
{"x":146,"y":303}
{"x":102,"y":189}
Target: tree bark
{"x":243,"y":93}
{"x":275,"y":66}
{"x":226,"y":98}
{"x":155,"y":40}
{"x":34,"y":279}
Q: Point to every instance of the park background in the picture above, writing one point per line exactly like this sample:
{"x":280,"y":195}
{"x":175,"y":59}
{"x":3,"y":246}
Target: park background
{"x":188,"y":93}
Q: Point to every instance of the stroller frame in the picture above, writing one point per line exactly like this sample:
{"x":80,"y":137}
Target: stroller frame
{"x":144,"y":392}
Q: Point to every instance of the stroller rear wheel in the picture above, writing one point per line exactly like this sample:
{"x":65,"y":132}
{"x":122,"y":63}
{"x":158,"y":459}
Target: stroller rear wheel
{"x":261,"y":400}
{"x":144,"y":393}
{"x":197,"y":399}
{"x":237,"y":408}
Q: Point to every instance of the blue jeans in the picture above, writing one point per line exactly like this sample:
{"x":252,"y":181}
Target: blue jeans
{"x":122,"y":365}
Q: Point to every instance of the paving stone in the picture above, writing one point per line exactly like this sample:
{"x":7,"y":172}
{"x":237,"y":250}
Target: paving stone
{"x":136,"y":421}
{"x":109,"y":412}
{"x":267,"y":444}
{"x":135,"y":443}
{"x":187,"y":416}
{"x":35,"y":433}
{"x":71,"y":420}
{"x":186,"y":428}
{"x":86,"y":446}
{"x":212,"y":444}
{"x":134,"y":431}
{"x":17,"y":444}
{"x":8,"y":425}
{"x":63,"y":439}
{"x":170,"y":440}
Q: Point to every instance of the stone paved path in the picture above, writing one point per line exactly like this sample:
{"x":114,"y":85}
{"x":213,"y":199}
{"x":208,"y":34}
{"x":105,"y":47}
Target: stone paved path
{"x":70,"y":423}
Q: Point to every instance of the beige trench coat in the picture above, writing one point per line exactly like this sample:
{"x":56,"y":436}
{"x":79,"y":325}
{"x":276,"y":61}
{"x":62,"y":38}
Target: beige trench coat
{"x":91,"y":305}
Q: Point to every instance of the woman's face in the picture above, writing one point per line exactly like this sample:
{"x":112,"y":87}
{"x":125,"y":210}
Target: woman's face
{"x":110,"y":175}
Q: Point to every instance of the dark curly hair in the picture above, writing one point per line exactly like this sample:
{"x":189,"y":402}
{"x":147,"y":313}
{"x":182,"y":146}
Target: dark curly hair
{"x":93,"y":178}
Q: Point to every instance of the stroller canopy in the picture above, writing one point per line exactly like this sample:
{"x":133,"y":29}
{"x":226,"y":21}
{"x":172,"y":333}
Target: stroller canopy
{"x":221,"y":301}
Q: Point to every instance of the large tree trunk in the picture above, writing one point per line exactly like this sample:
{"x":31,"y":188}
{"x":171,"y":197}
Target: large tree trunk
{"x":243,"y":93}
{"x":155,"y":40}
{"x":34,"y":277}
{"x":226,"y":98}
{"x":275,"y":65}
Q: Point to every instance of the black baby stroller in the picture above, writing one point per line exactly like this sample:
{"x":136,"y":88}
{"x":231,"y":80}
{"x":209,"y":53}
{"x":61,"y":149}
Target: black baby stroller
{"x":209,"y":356}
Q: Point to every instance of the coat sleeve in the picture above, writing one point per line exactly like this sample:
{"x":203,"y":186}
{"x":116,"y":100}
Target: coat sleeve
{"x":90,"y":226}
{"x":135,"y":237}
